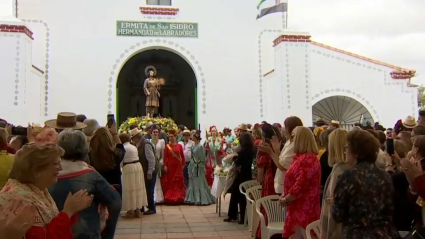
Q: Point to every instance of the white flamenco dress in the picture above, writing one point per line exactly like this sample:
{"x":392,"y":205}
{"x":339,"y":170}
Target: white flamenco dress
{"x":159,"y":151}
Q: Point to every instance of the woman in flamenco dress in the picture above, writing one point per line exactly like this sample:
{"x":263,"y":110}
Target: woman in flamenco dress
{"x":214,"y":148}
{"x":266,"y":166}
{"x":172,"y":180}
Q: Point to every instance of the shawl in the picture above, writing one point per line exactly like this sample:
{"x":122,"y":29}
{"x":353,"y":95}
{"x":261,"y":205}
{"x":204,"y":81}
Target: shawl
{"x":330,"y":228}
{"x":231,"y":175}
{"x":31,"y":195}
{"x":70,"y":168}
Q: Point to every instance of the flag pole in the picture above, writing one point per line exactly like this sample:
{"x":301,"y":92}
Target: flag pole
{"x":287,"y":12}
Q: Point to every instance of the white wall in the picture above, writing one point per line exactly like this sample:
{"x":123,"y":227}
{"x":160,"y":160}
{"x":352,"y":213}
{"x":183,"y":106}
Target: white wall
{"x":386,"y":99}
{"x":84,"y":53}
{"x":326,"y":73}
{"x":15,"y":64}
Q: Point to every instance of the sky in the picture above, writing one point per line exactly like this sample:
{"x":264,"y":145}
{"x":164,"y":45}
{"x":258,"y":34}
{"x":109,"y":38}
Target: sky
{"x":391,"y":31}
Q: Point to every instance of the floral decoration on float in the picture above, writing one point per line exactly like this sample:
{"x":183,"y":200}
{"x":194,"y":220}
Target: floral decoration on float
{"x":167,"y":124}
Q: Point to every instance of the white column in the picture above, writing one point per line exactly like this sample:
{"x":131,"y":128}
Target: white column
{"x":293,"y":70}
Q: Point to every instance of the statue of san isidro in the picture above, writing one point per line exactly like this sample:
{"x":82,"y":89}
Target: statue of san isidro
{"x":151,"y":87}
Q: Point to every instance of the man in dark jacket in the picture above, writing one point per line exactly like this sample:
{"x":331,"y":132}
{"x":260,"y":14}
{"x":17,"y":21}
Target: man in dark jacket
{"x":147,"y":159}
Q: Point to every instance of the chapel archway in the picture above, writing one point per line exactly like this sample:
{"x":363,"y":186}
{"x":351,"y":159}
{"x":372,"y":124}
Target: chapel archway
{"x":178,"y":95}
{"x":346,"y":110}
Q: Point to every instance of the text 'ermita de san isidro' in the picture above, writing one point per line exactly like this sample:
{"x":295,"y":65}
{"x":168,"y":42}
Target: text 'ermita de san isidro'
{"x":157,"y":29}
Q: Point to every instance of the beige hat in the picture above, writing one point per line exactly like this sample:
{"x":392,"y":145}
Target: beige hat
{"x":92,"y":125}
{"x":243,"y":127}
{"x":36,"y":128}
{"x":410,"y":122}
{"x":335,"y":122}
{"x":135,"y":132}
{"x":186,"y":131}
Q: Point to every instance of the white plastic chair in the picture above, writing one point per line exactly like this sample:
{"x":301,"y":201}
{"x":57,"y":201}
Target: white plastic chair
{"x":252,"y":195}
{"x":314,"y":226}
{"x":275,"y":216}
{"x":242,"y":188}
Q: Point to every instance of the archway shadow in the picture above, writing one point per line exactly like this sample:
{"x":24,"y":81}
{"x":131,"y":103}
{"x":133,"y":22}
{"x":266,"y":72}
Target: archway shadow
{"x":178,"y":96}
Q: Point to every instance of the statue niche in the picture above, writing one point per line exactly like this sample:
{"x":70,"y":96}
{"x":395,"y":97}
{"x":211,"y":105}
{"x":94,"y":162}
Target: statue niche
{"x":151,"y":87}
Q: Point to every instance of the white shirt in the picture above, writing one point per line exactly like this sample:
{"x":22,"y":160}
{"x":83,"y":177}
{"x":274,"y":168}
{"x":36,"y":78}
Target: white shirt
{"x":286,"y":158}
{"x":187,"y":150}
{"x":131,"y":153}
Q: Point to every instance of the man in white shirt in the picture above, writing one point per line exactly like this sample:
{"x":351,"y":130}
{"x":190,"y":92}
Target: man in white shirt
{"x":187,"y":150}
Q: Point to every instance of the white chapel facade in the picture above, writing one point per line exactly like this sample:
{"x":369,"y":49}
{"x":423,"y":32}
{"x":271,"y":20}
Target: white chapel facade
{"x":221,"y":65}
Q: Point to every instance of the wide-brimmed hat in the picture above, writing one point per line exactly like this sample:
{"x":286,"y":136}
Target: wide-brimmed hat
{"x":335,"y":122}
{"x":135,"y":132}
{"x":148,"y":125}
{"x":65,"y":120}
{"x":243,"y":127}
{"x":410,"y":122}
{"x":36,"y":128}
{"x":186,"y":131}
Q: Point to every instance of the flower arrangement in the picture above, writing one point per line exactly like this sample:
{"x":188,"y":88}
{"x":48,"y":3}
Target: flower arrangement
{"x":167,"y":124}
{"x":221,"y":171}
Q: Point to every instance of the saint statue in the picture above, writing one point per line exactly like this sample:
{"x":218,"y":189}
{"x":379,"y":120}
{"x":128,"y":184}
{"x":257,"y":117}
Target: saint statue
{"x":151,"y":88}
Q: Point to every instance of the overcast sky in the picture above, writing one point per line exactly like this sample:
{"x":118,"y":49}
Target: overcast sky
{"x":387,"y":30}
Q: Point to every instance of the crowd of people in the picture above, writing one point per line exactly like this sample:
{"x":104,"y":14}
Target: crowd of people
{"x":73,"y":178}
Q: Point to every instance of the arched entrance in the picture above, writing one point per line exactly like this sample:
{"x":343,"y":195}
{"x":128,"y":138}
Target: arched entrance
{"x":178,"y":95}
{"x":346,"y":110}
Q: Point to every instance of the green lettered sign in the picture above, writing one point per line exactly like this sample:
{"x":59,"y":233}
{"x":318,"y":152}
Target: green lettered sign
{"x":157,"y":29}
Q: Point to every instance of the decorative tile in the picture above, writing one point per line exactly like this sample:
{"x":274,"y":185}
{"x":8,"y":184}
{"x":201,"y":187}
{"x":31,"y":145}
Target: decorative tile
{"x":47,"y":55}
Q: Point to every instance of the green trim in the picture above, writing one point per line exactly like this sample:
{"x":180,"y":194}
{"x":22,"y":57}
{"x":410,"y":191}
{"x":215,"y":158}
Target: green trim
{"x":196,"y":106}
{"x":117,"y":111}
{"x":259,"y":4}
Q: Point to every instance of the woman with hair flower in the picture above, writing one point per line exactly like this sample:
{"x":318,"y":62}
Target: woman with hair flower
{"x":35,"y":168}
{"x":214,"y":150}
{"x":198,"y":191}
{"x":172,"y":180}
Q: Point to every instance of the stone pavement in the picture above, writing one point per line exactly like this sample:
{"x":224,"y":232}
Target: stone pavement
{"x":182,"y":222}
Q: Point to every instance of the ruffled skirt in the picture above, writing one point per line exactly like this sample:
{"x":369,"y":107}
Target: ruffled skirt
{"x":133,"y":187}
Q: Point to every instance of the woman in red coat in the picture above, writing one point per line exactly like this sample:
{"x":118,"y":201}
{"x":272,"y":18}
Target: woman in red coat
{"x":302,"y":185}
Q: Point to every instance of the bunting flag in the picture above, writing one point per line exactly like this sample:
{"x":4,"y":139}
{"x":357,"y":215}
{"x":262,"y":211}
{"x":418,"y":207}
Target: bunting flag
{"x":266,"y":7}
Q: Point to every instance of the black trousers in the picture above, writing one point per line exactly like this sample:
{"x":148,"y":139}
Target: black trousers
{"x":237,"y":198}
{"x":150,"y":190}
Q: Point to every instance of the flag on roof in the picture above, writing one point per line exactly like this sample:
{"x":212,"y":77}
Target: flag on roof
{"x":266,"y":7}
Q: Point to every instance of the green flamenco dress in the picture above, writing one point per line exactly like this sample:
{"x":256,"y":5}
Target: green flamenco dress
{"x":198,"y":192}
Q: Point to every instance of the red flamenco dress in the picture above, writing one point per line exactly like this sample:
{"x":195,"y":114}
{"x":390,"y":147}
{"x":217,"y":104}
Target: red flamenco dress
{"x":302,"y":180}
{"x":172,"y":181}
{"x":266,"y":162}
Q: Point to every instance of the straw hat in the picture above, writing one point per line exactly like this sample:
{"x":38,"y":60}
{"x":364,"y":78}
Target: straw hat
{"x":65,"y":120}
{"x":36,"y":128}
{"x":335,"y":122}
{"x":135,"y":132}
{"x":243,"y":127}
{"x":410,"y":122}
{"x":186,"y":131}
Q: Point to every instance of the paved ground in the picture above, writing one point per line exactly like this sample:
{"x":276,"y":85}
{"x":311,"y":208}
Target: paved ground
{"x":182,"y":222}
